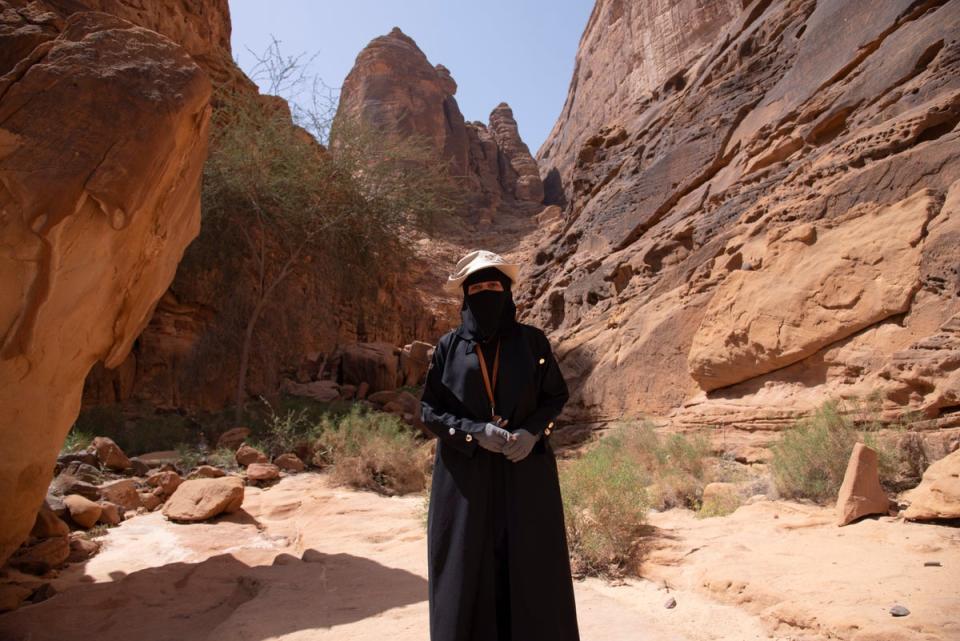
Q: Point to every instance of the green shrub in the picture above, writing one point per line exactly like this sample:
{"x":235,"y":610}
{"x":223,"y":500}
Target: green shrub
{"x":372,"y":450}
{"x":224,"y":458}
{"x":604,"y":504}
{"x":673,"y":463}
{"x":76,"y":440}
{"x":811,"y":457}
{"x":188,"y":456}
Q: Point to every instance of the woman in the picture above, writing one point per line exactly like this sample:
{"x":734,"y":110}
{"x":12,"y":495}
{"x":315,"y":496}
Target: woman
{"x":497,"y":549}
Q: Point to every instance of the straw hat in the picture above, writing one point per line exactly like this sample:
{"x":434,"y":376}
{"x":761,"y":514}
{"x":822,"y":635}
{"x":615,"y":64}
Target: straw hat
{"x":475,"y":261}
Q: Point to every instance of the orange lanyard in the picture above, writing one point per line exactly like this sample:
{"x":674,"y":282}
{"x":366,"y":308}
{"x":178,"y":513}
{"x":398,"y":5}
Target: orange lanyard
{"x":486,"y":377}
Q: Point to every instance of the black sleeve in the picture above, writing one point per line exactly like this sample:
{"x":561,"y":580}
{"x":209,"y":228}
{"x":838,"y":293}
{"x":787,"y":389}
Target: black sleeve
{"x":553,"y":390}
{"x":434,"y":409}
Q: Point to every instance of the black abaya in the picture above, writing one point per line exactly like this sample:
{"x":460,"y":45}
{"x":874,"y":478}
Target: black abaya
{"x":498,"y":562}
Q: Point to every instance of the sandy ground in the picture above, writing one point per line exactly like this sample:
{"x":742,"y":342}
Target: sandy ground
{"x":305,"y":560}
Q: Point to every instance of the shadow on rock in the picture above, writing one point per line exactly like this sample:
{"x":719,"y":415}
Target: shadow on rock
{"x":220,"y":598}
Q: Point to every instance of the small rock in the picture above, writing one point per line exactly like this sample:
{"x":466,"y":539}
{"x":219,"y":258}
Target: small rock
{"x":122,"y":492}
{"x":932,"y":564}
{"x":290,"y":462}
{"x":899,"y":611}
{"x":110,"y":454}
{"x":206,"y":472}
{"x":262,"y":472}
{"x":166,"y":482}
{"x":83,"y":511}
{"x":111,"y":513}
{"x":247,"y":455}
{"x":138,"y":467}
{"x":150,"y":500}
{"x":84,"y":472}
{"x":670,"y":604}
{"x":233,"y":438}
{"x":82,"y":549}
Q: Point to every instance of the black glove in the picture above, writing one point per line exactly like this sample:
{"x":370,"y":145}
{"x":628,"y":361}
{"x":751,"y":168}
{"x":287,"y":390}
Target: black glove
{"x":493,"y":437}
{"x":520,"y":445}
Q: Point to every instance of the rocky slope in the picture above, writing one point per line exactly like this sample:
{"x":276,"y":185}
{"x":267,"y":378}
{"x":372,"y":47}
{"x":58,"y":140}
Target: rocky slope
{"x":393,"y":86}
{"x":762,"y":210}
{"x":104,"y":130}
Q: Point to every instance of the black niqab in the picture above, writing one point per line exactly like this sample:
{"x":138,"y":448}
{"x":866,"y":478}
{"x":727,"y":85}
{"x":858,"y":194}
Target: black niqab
{"x":487,"y":313}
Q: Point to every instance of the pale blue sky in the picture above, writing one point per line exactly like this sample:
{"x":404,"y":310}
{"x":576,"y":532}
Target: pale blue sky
{"x":518,"y":51}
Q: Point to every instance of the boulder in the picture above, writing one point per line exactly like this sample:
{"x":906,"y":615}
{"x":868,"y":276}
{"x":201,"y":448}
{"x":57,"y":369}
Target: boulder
{"x":371,"y":363}
{"x":150,"y":500}
{"x":321,"y":391}
{"x":100,"y":208}
{"x":262,"y":472}
{"x":860,"y":493}
{"x":65,"y":484}
{"x":84,"y":472}
{"x":40,"y":557}
{"x":122,"y":492}
{"x":233,"y":438}
{"x":247,"y":455}
{"x":289,"y":462}
{"x":414,"y":361}
{"x":165,"y":482}
{"x":48,"y":524}
{"x":84,"y":512}
{"x":109,"y":454}
{"x":202,"y":499}
{"x":938,"y":495}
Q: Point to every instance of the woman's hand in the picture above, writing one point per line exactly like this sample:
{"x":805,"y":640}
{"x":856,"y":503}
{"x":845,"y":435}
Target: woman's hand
{"x":493,"y":437}
{"x":520,"y":445}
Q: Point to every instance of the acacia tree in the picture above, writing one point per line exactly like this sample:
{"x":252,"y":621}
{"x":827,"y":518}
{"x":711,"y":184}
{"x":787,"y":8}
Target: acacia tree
{"x":287,"y":200}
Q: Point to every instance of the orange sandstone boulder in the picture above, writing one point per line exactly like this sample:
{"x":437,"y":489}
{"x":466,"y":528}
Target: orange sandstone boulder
{"x":99,"y":205}
{"x":860,"y":493}
{"x":201,"y":499}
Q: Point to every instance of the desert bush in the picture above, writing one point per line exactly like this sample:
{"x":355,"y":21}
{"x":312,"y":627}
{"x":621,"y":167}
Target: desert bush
{"x":371,"y":450}
{"x":605,"y":504}
{"x":224,"y":458}
{"x":286,"y":430}
{"x":811,"y":457}
{"x":188,"y":456}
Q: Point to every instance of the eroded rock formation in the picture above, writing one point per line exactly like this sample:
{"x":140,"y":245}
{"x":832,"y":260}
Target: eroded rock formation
{"x":394,"y":87}
{"x":761,"y":210}
{"x":104,"y":134}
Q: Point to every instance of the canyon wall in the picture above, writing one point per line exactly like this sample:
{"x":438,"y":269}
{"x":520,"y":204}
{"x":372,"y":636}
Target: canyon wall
{"x":762,"y":210}
{"x":104,"y":135}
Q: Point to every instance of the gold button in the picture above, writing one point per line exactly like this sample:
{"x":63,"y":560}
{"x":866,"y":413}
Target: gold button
{"x":547,"y":431}
{"x":469,"y":437}
{"x":452,"y":431}
{"x":550,"y":424}
{"x":542,"y":361}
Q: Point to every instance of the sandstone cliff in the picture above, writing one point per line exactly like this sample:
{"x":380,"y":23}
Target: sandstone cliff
{"x":394,"y":87}
{"x":761,"y":210}
{"x":104,"y":136}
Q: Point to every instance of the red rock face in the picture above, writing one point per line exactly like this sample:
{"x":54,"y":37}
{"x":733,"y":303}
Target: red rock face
{"x":393,"y":86}
{"x":104,"y":136}
{"x":759,"y":205}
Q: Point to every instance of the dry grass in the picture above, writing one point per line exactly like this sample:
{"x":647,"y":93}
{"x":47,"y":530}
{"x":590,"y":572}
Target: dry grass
{"x":371,"y":450}
{"x":608,"y":490}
